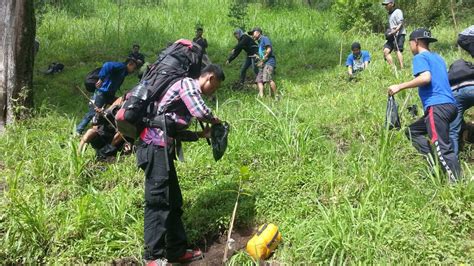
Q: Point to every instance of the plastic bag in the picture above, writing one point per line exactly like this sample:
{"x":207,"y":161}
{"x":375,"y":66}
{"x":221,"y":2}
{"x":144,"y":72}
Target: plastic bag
{"x":219,"y":133}
{"x":392,"y":120}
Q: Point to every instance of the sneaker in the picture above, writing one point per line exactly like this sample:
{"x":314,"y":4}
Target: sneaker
{"x":157,"y":262}
{"x":190,"y":255}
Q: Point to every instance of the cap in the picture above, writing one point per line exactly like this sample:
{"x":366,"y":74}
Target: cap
{"x":386,"y":2}
{"x":255,"y":29}
{"x":422,"y":34}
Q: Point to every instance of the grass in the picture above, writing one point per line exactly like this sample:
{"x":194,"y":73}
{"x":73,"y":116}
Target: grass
{"x":341,"y":188}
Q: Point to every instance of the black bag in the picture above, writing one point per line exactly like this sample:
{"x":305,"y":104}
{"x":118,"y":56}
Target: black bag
{"x":392,"y":120}
{"x":219,"y":134}
{"x":460,"y":71}
{"x":181,"y":59}
{"x":91,"y":79}
{"x":54,"y":68}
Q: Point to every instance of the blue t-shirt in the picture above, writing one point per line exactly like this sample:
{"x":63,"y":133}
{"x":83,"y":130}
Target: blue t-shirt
{"x":263,"y":43}
{"x":358,"y":63}
{"x":438,"y":91}
{"x":112,"y":74}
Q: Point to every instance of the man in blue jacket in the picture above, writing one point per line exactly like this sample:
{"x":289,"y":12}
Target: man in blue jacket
{"x":439,"y":105}
{"x":111,"y":77}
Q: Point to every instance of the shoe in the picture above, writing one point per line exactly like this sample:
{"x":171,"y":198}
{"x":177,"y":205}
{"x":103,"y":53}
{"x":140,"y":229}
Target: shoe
{"x":157,"y":262}
{"x":190,"y":255}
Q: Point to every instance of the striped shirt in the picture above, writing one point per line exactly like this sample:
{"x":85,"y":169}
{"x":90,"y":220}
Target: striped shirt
{"x":185,"y":98}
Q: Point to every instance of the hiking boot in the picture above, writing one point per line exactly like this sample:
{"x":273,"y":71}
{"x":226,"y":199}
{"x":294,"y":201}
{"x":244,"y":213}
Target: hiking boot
{"x":157,"y":262}
{"x":190,"y":255}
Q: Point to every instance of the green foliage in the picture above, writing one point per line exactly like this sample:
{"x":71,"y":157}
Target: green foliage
{"x":317,"y":163}
{"x":238,"y":14}
{"x":360,"y":15}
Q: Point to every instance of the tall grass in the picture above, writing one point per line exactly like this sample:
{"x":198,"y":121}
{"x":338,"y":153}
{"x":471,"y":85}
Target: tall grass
{"x":341,"y":188}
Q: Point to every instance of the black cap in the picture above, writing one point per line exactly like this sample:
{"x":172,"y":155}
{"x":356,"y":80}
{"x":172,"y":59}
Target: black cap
{"x":355,"y":45}
{"x":422,"y":34}
{"x":255,"y":29}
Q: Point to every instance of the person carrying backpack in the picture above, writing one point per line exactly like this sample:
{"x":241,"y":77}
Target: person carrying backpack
{"x":164,"y":234}
{"x":248,"y":44}
{"x":461,"y":78}
{"x":466,"y":40}
{"x":439,"y":104}
{"x":111,"y":77}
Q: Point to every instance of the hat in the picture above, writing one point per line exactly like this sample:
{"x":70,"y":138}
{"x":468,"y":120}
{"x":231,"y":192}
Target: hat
{"x":422,"y":34}
{"x":386,"y":2}
{"x":255,"y":29}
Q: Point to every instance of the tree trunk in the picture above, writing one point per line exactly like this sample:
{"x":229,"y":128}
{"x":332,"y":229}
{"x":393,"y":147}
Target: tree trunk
{"x":17,"y":35}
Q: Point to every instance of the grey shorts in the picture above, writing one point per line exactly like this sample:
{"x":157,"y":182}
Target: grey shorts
{"x":265,"y":74}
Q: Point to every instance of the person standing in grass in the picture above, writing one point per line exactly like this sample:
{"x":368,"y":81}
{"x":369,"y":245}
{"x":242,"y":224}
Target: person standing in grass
{"x":358,"y":60}
{"x":199,"y":39}
{"x":111,"y":77}
{"x":267,"y":62}
{"x":164,"y":234}
{"x":396,"y":33}
{"x":438,"y":101}
{"x":248,"y":44}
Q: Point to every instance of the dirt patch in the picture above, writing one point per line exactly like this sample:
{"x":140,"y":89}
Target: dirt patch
{"x":214,"y":249}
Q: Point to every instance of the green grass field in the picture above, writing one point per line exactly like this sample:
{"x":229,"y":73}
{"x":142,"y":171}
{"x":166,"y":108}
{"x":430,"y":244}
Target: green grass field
{"x":342,"y":189}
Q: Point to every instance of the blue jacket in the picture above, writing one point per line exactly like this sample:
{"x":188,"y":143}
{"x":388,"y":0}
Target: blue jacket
{"x":112,"y":74}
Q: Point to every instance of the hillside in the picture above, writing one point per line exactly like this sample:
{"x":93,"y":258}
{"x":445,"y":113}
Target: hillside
{"x":322,"y":167}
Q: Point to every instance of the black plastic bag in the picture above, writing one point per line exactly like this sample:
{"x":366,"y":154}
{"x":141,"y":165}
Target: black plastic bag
{"x":219,"y":133}
{"x":392,"y":120}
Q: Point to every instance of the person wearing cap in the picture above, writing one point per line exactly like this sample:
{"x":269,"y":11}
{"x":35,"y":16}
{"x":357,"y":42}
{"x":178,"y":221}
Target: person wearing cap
{"x":358,"y":60}
{"x":466,"y":40}
{"x":248,"y":44}
{"x":438,"y":101}
{"x":137,"y":55}
{"x":395,"y":34}
{"x":267,"y":61}
{"x":111,"y":77}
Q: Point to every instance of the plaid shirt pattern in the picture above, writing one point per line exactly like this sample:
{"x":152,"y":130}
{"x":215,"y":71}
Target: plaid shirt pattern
{"x":185,"y":97}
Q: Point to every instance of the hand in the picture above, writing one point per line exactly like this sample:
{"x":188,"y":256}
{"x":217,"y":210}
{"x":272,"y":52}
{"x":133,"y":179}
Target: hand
{"x":216,"y":121}
{"x":98,"y":84}
{"x":394,"y":89}
{"x":260,"y":64}
{"x":99,"y":110}
{"x":206,"y":133}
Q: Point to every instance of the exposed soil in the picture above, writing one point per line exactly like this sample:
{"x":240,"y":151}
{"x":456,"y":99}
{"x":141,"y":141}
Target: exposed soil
{"x":213,"y":249}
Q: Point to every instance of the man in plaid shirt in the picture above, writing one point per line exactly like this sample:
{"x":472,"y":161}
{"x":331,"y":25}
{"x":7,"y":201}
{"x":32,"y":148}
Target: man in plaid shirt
{"x":165,"y":238}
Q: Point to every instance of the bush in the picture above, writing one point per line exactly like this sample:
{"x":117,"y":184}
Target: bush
{"x":360,"y":15}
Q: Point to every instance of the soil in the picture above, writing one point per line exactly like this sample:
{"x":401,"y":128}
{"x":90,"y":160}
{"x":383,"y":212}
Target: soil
{"x":213,"y":249}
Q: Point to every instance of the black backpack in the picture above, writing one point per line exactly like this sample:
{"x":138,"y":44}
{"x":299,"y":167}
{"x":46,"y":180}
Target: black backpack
{"x":181,"y":59}
{"x":91,"y":79}
{"x":460,"y":71}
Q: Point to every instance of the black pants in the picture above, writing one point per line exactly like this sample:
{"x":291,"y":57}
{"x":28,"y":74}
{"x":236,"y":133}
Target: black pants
{"x":163,"y":231}
{"x":435,"y":124}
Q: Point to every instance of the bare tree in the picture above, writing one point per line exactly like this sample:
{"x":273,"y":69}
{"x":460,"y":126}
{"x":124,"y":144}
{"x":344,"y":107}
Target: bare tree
{"x":17,"y":35}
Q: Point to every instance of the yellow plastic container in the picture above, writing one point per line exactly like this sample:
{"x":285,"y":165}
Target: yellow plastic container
{"x":264,"y":242}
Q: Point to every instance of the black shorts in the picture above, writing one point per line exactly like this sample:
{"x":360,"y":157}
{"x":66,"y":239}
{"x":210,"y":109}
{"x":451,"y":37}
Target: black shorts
{"x":400,"y":39}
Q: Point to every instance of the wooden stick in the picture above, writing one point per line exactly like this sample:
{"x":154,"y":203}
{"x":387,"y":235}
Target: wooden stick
{"x":229,"y":234}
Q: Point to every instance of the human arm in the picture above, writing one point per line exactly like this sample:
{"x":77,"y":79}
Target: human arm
{"x":419,"y":81}
{"x":237,"y":49}
{"x":191,"y":97}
